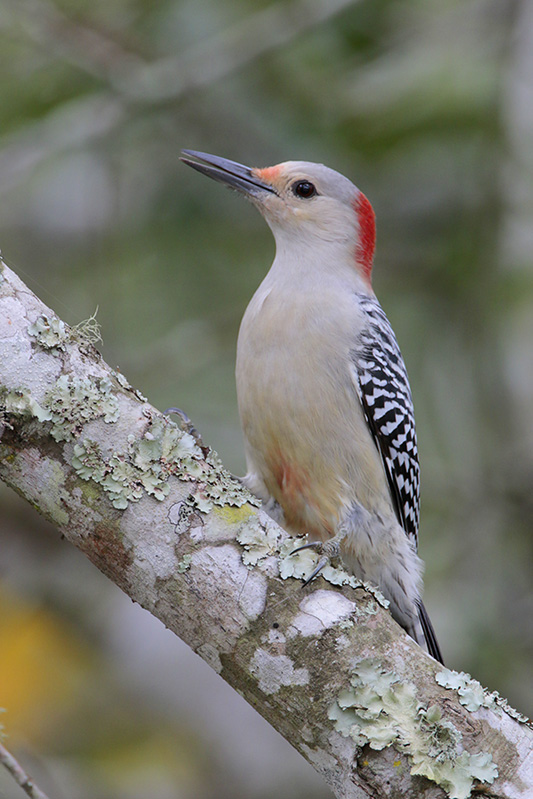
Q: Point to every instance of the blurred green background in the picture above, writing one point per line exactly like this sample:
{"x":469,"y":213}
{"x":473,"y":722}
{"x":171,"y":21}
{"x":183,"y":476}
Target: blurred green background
{"x":428,"y":107}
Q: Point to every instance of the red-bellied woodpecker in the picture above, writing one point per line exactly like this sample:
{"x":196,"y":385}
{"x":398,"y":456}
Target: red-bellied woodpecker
{"x":323,"y":393}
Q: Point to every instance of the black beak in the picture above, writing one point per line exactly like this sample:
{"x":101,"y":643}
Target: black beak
{"x":236,"y":176}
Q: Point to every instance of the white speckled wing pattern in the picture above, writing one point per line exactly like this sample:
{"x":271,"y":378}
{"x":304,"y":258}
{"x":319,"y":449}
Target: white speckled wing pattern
{"x":385,"y":395}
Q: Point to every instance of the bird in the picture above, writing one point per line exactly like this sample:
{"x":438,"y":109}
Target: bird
{"x":323,"y":392}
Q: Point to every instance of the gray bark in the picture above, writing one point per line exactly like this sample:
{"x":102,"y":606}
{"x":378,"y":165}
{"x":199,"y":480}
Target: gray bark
{"x":153,"y":508}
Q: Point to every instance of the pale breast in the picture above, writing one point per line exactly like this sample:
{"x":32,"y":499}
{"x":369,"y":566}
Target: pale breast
{"x":301,"y":416}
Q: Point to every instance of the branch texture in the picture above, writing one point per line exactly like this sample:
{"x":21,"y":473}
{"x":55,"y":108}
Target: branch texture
{"x":19,"y":775}
{"x":154,"y":509}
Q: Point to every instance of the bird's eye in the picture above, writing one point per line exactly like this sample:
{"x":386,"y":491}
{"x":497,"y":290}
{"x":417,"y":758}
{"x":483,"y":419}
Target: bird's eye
{"x":304,"y":188}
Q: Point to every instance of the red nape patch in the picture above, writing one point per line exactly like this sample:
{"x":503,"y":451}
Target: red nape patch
{"x":367,"y":234}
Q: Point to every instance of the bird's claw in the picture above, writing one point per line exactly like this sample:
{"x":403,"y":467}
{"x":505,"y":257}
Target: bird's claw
{"x":311,"y":545}
{"x":186,"y":423}
{"x":324,"y":560}
{"x":328,"y":549}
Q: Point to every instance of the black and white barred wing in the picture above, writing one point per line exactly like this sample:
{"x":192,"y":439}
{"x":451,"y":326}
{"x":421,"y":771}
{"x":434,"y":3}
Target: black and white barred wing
{"x":385,"y":395}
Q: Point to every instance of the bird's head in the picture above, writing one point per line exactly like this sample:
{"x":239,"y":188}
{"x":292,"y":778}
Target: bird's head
{"x":304,"y":203}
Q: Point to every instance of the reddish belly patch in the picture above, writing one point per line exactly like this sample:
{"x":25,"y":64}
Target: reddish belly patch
{"x":294,"y":493}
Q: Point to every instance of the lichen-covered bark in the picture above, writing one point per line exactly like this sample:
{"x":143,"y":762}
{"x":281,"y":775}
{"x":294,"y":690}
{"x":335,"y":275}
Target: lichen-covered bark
{"x":154,"y":509}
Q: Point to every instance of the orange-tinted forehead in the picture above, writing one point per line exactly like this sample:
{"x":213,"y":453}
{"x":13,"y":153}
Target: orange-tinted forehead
{"x":269,"y":173}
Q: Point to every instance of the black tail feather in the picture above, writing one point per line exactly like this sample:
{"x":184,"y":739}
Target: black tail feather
{"x":429,"y":633}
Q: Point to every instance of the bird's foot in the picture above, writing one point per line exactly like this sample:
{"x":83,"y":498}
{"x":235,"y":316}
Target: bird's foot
{"x":186,"y":424}
{"x":327,"y":549}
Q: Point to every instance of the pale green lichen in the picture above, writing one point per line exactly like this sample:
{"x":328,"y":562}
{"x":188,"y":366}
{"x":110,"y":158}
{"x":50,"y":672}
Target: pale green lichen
{"x":470,"y":692}
{"x":118,"y":478}
{"x":124,"y":382}
{"x":302,"y":564}
{"x":119,"y":475}
{"x":167,"y":450}
{"x":180,"y":515}
{"x":473,"y":696}
{"x":346,"y":624}
{"x":184,"y":564}
{"x":297,"y":562}
{"x":259,"y":542}
{"x":73,"y":401}
{"x":381,"y":710}
{"x":87,"y":331}
{"x":53,"y":334}
{"x":88,"y":460}
{"x":20,"y":402}
{"x":50,"y":332}
{"x":223,"y":488}
{"x":201,"y":501}
{"x":147,"y":464}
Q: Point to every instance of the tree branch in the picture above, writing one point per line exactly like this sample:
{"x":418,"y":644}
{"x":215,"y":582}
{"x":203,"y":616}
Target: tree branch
{"x":19,"y":775}
{"x":154,"y":509}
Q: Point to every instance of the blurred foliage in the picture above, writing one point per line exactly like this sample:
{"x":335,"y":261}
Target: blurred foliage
{"x":424,"y":105}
